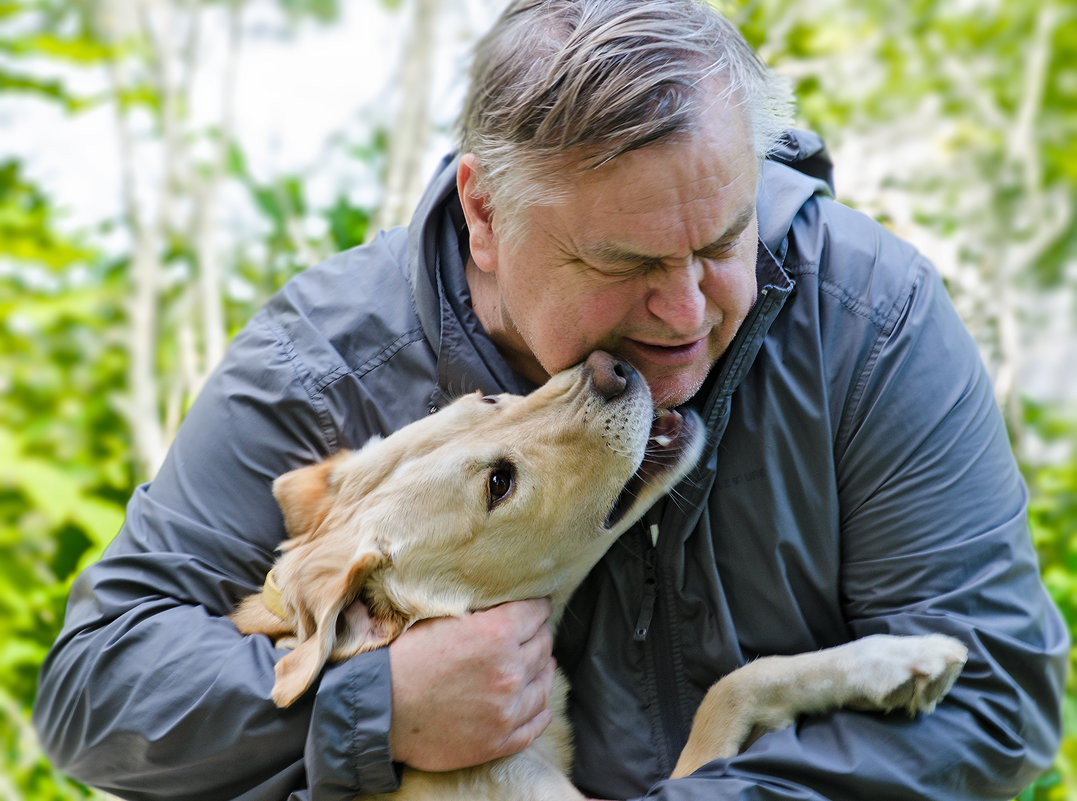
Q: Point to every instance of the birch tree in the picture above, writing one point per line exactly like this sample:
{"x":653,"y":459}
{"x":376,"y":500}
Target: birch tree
{"x":169,"y":197}
{"x":410,"y":130}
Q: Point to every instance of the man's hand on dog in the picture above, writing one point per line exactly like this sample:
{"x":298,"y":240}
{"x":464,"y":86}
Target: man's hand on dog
{"x":486,"y":677}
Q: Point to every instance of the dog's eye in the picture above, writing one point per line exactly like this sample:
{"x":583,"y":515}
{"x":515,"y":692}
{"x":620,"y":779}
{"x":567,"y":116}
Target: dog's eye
{"x":489,"y":399}
{"x":499,"y":485}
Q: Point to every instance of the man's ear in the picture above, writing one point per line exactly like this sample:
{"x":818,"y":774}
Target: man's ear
{"x":477,"y":212}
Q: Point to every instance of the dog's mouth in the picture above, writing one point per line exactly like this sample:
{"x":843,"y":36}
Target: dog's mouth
{"x":670,"y":438}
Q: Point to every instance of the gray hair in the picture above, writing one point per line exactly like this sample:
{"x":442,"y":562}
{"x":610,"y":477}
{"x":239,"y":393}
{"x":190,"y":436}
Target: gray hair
{"x":559,"y":84}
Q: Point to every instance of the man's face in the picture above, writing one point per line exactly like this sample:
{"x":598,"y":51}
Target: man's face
{"x":651,"y":257}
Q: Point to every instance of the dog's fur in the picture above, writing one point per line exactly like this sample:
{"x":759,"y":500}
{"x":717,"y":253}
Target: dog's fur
{"x":504,"y":498}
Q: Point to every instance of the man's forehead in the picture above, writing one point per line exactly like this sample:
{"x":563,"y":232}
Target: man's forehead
{"x":617,"y":251}
{"x":668,"y":200}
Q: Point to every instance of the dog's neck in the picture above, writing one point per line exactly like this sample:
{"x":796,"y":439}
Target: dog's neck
{"x":397,"y":611}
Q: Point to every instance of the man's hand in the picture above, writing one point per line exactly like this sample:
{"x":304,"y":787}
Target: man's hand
{"x":471,"y":689}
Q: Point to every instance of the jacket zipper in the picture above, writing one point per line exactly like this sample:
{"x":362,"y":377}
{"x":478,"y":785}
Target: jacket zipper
{"x":650,"y":589}
{"x":657,"y":632}
{"x":654,"y":621}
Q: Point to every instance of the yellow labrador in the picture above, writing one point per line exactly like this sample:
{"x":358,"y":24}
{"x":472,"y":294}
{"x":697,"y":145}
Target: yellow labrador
{"x":501,"y":498}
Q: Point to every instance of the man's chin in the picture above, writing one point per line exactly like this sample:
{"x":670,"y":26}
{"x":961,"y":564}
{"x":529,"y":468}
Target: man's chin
{"x":670,"y":391}
{"x":673,"y":379}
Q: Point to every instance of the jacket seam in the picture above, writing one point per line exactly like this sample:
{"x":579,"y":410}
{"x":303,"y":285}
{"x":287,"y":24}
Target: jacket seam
{"x":883,"y":320}
{"x":303,"y":377}
{"x":315,"y":388}
{"x":383,"y":356}
{"x":838,"y":292}
{"x":883,"y":331}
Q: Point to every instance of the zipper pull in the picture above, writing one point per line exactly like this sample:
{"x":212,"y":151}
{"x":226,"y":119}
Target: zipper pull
{"x":650,"y":595}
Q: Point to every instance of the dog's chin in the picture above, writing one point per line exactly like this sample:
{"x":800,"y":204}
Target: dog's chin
{"x":672,"y":448}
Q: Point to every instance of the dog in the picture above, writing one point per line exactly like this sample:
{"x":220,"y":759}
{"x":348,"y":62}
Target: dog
{"x":506,"y":497}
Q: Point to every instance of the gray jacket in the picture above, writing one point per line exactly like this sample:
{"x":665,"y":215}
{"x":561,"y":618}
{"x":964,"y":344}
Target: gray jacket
{"x":857,"y":479}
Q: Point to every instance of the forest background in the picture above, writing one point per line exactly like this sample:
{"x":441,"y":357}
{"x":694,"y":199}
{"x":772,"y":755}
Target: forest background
{"x":166,"y":165}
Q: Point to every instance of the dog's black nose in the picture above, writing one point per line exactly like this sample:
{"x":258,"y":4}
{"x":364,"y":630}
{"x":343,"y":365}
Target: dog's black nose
{"x":609,"y":375}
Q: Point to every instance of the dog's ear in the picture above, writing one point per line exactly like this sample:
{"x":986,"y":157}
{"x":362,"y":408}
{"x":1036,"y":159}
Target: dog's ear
{"x":303,"y":496}
{"x":333,"y":624}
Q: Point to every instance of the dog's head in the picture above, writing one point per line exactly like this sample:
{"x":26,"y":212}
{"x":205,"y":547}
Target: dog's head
{"x":494,"y":498}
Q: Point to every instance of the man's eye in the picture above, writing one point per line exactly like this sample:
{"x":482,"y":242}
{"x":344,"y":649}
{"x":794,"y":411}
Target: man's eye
{"x":499,"y":485}
{"x":719,"y":250}
{"x":623,"y":272}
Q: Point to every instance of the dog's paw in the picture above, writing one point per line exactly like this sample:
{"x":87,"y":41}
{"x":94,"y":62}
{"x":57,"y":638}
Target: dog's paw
{"x":911,"y":673}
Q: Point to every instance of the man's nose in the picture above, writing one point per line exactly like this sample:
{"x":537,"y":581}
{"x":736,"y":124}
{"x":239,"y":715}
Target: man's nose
{"x":675,"y":296}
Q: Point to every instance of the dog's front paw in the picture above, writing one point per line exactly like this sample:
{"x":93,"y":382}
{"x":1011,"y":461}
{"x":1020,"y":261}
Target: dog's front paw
{"x":911,"y":673}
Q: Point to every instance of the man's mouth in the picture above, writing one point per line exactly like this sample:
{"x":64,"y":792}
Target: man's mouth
{"x":669,"y":438}
{"x":669,"y":354}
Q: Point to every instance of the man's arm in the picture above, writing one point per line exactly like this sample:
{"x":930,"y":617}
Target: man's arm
{"x":934,"y":539}
{"x":150,"y":691}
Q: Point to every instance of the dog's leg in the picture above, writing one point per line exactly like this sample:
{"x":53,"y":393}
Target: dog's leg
{"x":880,"y":672}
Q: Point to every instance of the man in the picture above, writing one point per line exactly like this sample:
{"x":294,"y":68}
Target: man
{"x":857,"y":479}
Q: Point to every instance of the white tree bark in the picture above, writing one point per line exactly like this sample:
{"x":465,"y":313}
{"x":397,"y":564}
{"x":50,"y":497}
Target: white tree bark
{"x":173,"y":197}
{"x":142,"y":405}
{"x":411,"y":128}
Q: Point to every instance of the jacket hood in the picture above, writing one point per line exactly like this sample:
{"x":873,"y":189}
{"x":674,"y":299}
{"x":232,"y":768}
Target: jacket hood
{"x":437,"y":255}
{"x":797,"y":169}
{"x":423,"y":240}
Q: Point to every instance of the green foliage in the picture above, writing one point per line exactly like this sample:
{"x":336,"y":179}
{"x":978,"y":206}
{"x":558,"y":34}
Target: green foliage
{"x":64,"y":452}
{"x":49,"y":29}
{"x":27,"y":222}
{"x":67,"y":462}
{"x":324,"y":11}
{"x":51,"y":523}
{"x":1053,"y":519}
{"x":285,"y":248}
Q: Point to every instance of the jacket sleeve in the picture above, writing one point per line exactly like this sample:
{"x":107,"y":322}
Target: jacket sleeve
{"x":934,"y":538}
{"x":150,"y":691}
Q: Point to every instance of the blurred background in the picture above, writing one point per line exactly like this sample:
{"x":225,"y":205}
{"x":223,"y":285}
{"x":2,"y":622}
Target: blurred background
{"x":166,"y":165}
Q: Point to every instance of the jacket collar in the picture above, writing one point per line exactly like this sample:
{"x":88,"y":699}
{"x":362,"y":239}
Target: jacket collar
{"x":423,"y":242}
{"x":437,"y":252}
{"x":775,"y":287}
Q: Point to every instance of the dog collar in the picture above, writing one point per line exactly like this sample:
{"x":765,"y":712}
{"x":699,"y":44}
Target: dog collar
{"x":271,"y":596}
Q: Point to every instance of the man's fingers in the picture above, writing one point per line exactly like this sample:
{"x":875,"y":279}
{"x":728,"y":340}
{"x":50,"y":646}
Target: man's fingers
{"x":527,"y":733}
{"x":526,"y":618}
{"x":532,"y":710}
{"x":535,"y":697}
{"x":537,"y":652}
